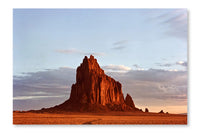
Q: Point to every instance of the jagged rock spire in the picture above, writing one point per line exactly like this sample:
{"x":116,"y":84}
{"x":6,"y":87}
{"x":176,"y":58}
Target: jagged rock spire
{"x":93,"y":86}
{"x":94,"y":91}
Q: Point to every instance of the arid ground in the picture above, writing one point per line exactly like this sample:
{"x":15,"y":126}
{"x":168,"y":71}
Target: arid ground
{"x":98,"y":118}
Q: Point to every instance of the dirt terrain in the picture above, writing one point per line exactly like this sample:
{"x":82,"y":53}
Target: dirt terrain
{"x":97,"y":118}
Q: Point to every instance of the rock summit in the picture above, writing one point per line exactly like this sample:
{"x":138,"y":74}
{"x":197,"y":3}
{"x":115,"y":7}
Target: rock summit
{"x":95,"y":91}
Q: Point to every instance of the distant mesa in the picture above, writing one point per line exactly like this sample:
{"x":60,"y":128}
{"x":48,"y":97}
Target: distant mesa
{"x":146,"y":110}
{"x":94,"y":91}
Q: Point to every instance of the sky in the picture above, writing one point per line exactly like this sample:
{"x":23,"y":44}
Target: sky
{"x":144,"y":49}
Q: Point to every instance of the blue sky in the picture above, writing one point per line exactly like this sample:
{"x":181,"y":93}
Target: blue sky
{"x":121,"y":37}
{"x":122,"y":40}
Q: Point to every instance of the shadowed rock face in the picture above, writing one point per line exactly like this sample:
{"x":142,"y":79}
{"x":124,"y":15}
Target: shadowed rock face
{"x":95,"y":91}
{"x":129,"y":101}
{"x":146,"y":110}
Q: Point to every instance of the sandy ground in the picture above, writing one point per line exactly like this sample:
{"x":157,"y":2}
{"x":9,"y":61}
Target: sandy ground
{"x":98,"y":118}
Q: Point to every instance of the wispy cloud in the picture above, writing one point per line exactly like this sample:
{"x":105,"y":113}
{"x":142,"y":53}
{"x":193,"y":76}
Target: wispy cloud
{"x":34,"y":97}
{"x":173,"y":70}
{"x":70,"y":51}
{"x":182,"y":63}
{"x":175,"y":20}
{"x":49,"y":87}
{"x":120,"y":42}
{"x":165,"y":64}
{"x":177,"y":23}
{"x":119,"y":45}
{"x":116,"y":68}
{"x":138,"y":68}
{"x":76,"y":51}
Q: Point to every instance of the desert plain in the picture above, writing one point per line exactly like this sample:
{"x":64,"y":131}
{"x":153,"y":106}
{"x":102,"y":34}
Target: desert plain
{"x":77,"y":118}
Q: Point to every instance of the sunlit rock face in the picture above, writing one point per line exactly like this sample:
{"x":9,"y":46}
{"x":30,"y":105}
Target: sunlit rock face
{"x":94,"y":91}
{"x":93,"y":86}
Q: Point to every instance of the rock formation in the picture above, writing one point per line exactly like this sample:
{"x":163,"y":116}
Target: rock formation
{"x":161,"y":112}
{"x":129,"y":101}
{"x":95,"y":91}
{"x":93,"y":86}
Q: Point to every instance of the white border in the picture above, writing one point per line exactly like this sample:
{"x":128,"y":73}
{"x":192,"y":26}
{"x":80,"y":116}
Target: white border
{"x":6,"y":7}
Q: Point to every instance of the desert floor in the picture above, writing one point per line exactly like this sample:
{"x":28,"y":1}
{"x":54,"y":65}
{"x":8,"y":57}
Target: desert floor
{"x":98,"y":118}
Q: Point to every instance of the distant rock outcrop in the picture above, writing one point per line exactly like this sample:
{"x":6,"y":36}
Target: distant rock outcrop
{"x":146,"y":110}
{"x":129,"y":101}
{"x":161,"y":112}
{"x":95,"y":91}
